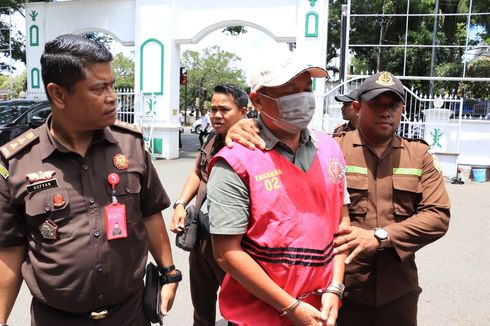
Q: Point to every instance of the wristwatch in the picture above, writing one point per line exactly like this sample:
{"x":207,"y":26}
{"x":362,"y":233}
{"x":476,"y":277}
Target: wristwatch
{"x":382,"y":237}
{"x":174,"y":278}
{"x":179,"y":202}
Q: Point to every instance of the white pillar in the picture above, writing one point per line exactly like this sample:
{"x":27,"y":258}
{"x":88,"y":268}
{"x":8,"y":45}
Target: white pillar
{"x":311,"y":45}
{"x":35,"y":40}
{"x":157,"y":73}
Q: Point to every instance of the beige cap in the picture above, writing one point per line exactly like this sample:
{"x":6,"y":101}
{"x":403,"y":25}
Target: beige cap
{"x":279,"y":72}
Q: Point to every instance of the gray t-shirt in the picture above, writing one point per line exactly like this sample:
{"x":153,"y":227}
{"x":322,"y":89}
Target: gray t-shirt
{"x":228,"y":197}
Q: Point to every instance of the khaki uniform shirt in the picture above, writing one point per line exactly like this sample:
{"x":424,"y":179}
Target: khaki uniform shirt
{"x":403,"y":192}
{"x":343,"y":128}
{"x":213,"y":144}
{"x":81,"y":270}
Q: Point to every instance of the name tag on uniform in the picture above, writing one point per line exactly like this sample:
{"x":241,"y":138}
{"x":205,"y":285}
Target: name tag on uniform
{"x":115,"y":221}
{"x":42,"y":185}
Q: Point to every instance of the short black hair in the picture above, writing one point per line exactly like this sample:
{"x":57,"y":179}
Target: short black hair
{"x":65,"y":58}
{"x":239,"y":96}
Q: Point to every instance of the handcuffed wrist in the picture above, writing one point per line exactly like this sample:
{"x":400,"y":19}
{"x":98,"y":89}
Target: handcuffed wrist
{"x":290,"y":308}
{"x":336,"y":288}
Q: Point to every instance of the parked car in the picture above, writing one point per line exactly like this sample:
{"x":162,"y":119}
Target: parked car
{"x":196,"y":126}
{"x":18,"y":116}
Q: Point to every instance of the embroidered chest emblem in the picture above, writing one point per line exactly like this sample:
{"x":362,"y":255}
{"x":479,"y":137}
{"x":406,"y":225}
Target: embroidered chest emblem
{"x":120,"y":161}
{"x":336,"y":170}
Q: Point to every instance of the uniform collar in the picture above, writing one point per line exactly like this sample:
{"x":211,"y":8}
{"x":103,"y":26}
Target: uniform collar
{"x":272,"y":141}
{"x":359,"y":140}
{"x":49,"y":144}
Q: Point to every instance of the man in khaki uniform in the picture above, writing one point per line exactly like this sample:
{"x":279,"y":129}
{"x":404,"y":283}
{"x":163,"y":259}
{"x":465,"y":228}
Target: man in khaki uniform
{"x":81,"y":202}
{"x":348,"y":112}
{"x":398,"y":205}
{"x":228,"y":105}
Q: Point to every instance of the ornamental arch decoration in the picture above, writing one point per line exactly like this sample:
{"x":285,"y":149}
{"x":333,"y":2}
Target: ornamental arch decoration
{"x":161,"y":27}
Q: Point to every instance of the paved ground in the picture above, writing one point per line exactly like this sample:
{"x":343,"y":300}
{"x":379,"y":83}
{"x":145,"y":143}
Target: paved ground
{"x":453,"y":271}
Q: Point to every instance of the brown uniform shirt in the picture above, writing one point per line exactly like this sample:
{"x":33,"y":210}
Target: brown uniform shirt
{"x":402,"y":192}
{"x":82,"y":270}
{"x":212,"y":145}
{"x":343,"y":128}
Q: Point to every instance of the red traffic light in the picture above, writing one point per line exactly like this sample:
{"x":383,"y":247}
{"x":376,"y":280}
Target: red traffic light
{"x":183,"y":76}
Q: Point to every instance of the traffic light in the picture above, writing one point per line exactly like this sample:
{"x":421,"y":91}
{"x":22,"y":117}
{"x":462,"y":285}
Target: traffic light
{"x":183,"y":76}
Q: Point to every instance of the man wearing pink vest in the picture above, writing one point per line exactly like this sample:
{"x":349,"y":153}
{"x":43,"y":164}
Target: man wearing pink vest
{"x":274,"y":212}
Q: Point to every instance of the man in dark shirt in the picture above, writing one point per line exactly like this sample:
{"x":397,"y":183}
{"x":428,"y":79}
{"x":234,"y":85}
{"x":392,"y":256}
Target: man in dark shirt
{"x":348,"y":112}
{"x":64,"y":186}
{"x":229,"y":105}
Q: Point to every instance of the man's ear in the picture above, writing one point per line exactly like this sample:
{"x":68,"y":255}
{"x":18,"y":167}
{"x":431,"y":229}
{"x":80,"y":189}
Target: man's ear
{"x":243,"y":112}
{"x":357,"y":106}
{"x":57,"y":95}
{"x":255,"y":99}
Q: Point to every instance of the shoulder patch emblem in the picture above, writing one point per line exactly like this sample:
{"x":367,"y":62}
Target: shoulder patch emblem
{"x":336,"y":170}
{"x":14,"y":146}
{"x":4,"y":172}
{"x":436,"y":162}
{"x":128,"y":126}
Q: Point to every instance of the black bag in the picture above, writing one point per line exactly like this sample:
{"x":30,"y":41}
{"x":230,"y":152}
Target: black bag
{"x":151,"y":295}
{"x":187,"y":239}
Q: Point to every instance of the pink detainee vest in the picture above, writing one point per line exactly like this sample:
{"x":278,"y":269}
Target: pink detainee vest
{"x":294,"y":215}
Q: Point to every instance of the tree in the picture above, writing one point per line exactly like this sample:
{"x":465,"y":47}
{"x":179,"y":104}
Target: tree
{"x":207,"y":69}
{"x":15,"y":41}
{"x":390,"y":30}
{"x":234,"y":30}
{"x":123,"y":68}
{"x":102,"y":38}
{"x":19,"y":83}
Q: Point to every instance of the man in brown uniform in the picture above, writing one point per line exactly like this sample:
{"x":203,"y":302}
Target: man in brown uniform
{"x":398,"y":205}
{"x":348,"y":112}
{"x":64,"y":186}
{"x":228,"y":105}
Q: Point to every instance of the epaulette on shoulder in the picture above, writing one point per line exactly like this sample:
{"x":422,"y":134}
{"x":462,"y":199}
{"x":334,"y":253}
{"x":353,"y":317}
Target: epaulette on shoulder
{"x":338,"y":134}
{"x":419,"y":140}
{"x":16,"y":145}
{"x":128,"y":126}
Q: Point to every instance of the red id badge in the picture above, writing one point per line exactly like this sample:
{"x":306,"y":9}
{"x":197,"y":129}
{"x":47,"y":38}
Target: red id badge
{"x":115,"y":221}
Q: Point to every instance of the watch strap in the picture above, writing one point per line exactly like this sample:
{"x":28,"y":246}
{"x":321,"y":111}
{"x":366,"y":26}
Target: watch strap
{"x":173,"y":278}
{"x":165,"y":270}
{"x":179,"y":202}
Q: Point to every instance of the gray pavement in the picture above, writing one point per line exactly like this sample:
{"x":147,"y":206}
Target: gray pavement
{"x":453,"y":271}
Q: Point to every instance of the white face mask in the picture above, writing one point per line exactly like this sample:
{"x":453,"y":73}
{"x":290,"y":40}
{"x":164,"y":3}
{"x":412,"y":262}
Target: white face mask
{"x":295,"y":111}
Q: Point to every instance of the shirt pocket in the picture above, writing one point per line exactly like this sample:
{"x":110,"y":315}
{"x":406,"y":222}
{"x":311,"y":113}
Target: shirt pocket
{"x":407,"y":192}
{"x":127,"y":192}
{"x":357,"y":185}
{"x":41,"y":206}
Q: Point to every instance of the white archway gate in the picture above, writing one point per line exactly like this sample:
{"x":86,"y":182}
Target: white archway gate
{"x":157,"y":28}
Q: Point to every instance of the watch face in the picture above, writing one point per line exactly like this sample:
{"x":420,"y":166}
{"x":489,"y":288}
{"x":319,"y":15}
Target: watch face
{"x":380,"y":233}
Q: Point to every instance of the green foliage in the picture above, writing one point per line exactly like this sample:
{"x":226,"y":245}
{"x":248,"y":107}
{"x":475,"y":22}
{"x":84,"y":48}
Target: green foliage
{"x":234,"y":30}
{"x":388,"y":30}
{"x":479,"y":68}
{"x":17,"y":40}
{"x":207,"y":69}
{"x":123,"y":68}
{"x":101,"y":38}
{"x":19,"y":83}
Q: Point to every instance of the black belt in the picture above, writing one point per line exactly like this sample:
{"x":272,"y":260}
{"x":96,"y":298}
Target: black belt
{"x":99,"y":313}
